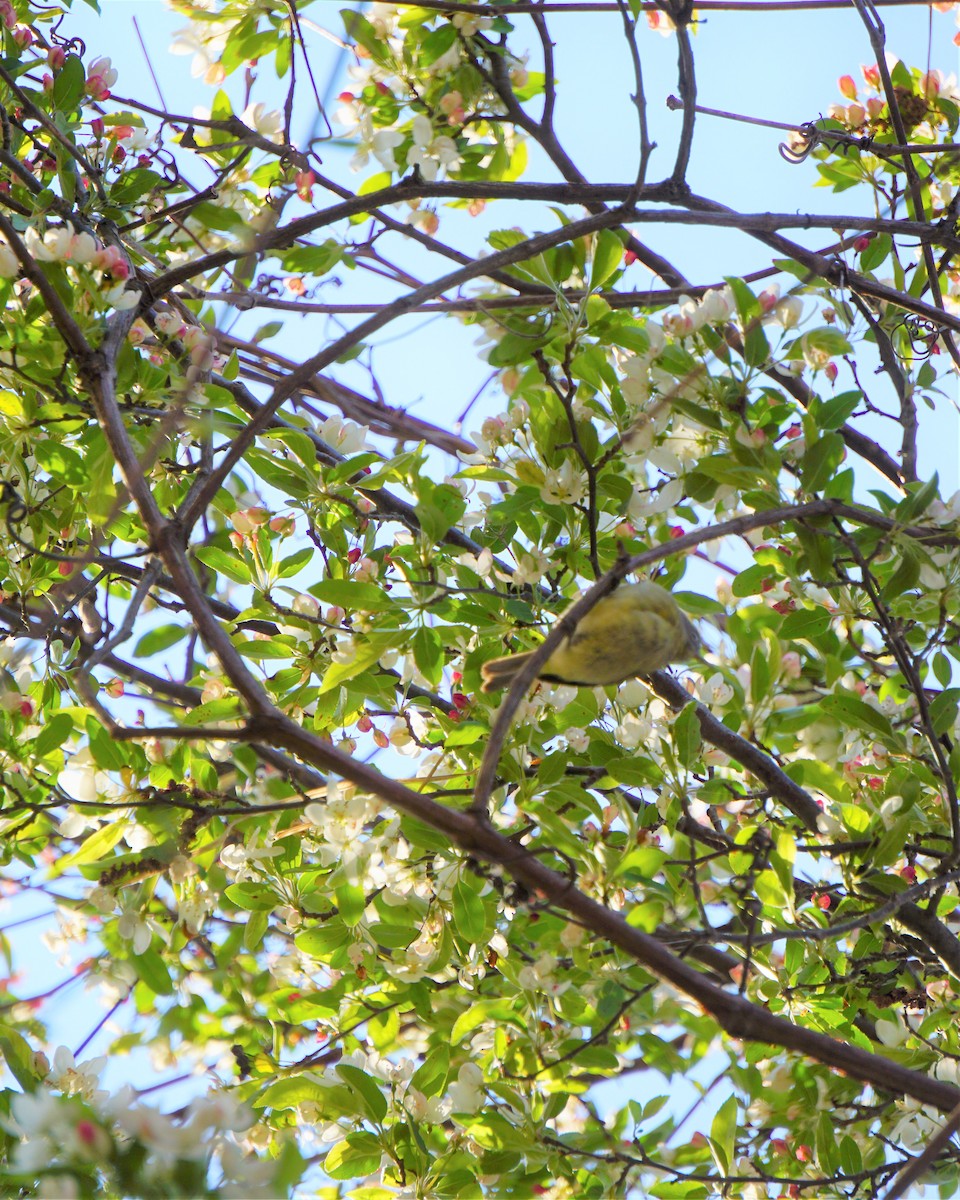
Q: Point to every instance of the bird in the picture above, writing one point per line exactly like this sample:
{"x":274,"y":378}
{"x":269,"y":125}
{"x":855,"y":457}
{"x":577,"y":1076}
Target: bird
{"x":637,"y":629}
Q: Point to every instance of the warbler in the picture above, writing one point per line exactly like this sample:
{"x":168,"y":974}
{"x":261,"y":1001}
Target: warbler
{"x":637,"y":629}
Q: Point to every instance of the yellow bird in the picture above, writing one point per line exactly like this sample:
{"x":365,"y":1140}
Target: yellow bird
{"x":637,"y":629}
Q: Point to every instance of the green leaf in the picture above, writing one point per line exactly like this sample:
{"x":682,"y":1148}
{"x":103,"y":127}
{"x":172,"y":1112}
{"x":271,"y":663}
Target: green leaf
{"x":437,"y":43}
{"x":365,"y":1086}
{"x":223,"y":563}
{"x":919,"y":499}
{"x":260,"y":651}
{"x":607,"y":256}
{"x":878,"y":250}
{"x":293,"y":564}
{"x":675,"y":1190}
{"x":351,"y":903}
{"x":805,"y":623}
{"x":826,"y":340}
{"x":942,"y":669}
{"x":53,"y":734}
{"x":393,"y":937}
{"x":64,"y":463}
{"x":851,"y":1161}
{"x":252,"y":897}
{"x":68,"y":84}
{"x":92,"y":849}
{"x":368,"y":654}
{"x":428,"y":652}
{"x":159,"y":639}
{"x":353,"y":596}
{"x":831,"y":414}
{"x":18,"y":1058}
{"x":686,"y":735}
{"x":856,"y":714}
{"x":362,"y":32}
{"x":469,"y":913}
{"x":357,"y":1155}
{"x":748,"y":306}
{"x":152,"y":971}
{"x":292,"y":1092}
{"x":820,"y":461}
{"x":783,"y":859}
{"x":723,"y":1134}
{"x":828,"y":1153}
{"x":375,"y":183}
{"x":890,"y":847}
{"x":323,"y":940}
{"x":494,"y":1010}
{"x":431,"y":1076}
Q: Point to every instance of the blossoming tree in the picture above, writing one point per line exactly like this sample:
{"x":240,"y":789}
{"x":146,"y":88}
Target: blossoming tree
{"x":383,"y":934}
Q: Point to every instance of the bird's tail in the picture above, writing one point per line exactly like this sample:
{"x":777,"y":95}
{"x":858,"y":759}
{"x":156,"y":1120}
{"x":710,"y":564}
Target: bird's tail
{"x":500,"y":672}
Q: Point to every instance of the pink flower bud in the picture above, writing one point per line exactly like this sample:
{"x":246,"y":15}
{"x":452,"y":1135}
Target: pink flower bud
{"x":305,"y":181}
{"x":56,"y":57}
{"x":97,"y":127}
{"x":871,"y":76}
{"x":929,"y":84}
{"x":848,"y":88}
{"x":23,"y":37}
{"x":110,"y":260}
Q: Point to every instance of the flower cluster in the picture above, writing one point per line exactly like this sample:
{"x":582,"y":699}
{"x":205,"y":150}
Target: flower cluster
{"x":87,"y":1137}
{"x":106,"y":267}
